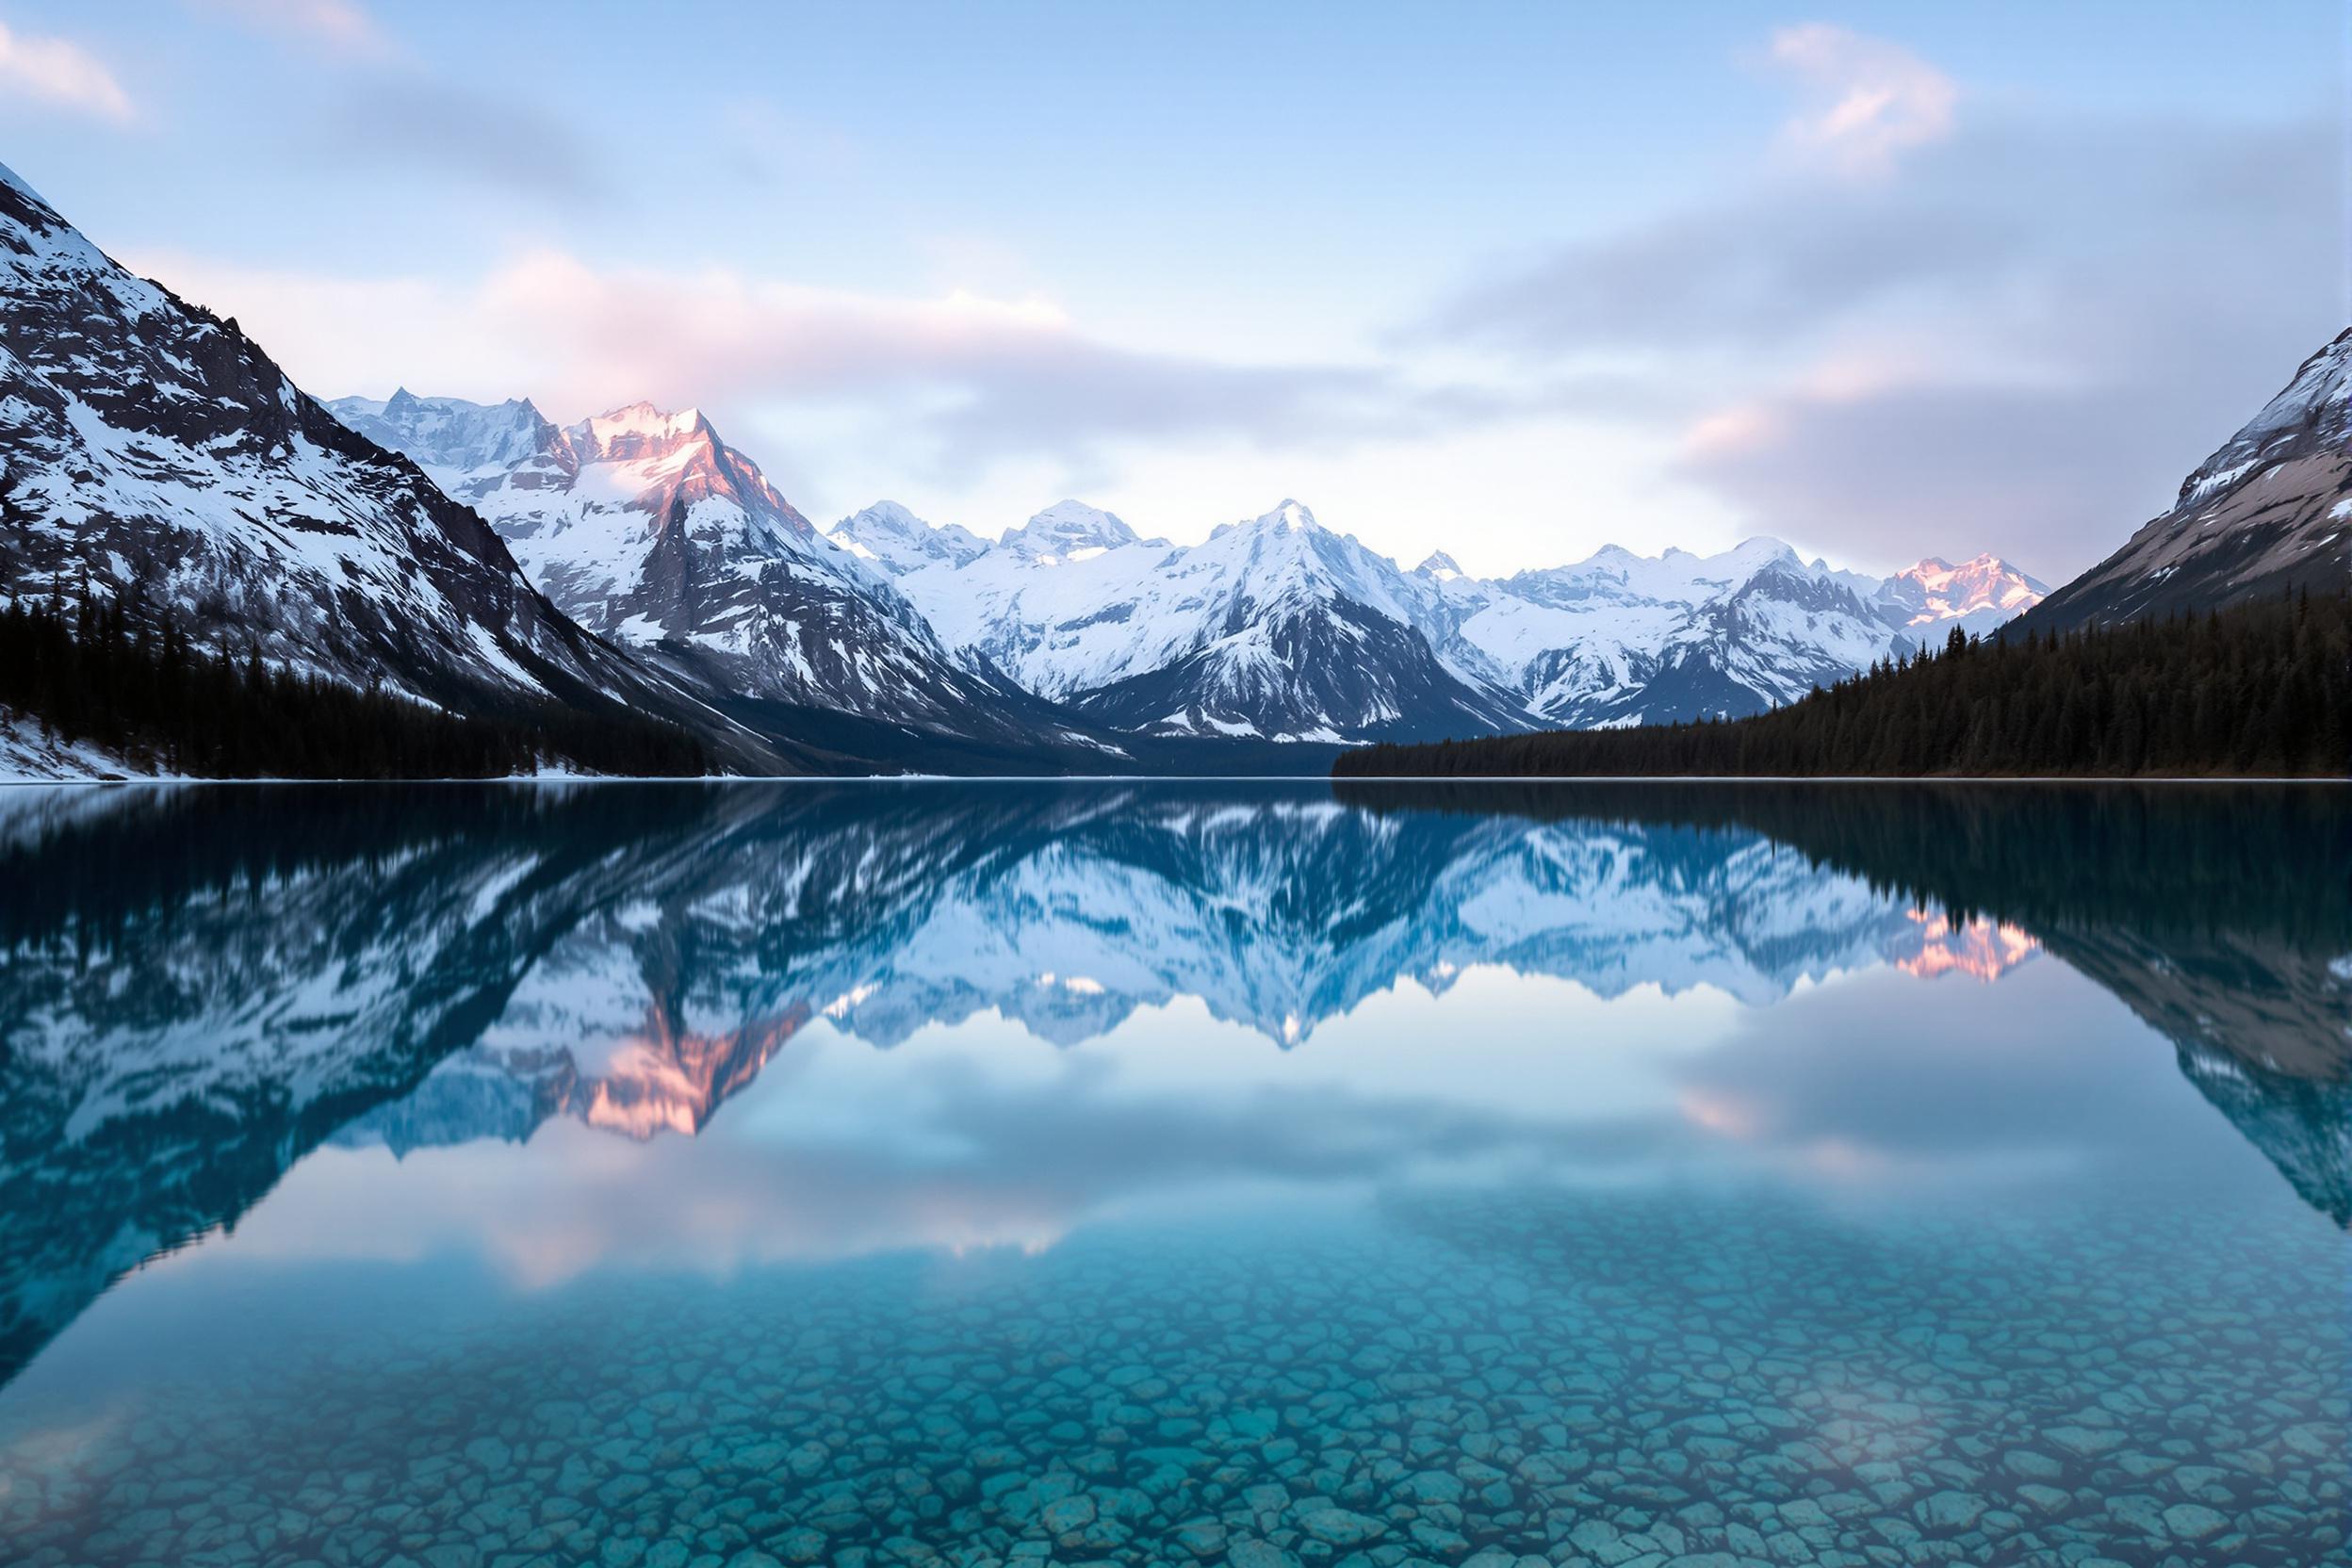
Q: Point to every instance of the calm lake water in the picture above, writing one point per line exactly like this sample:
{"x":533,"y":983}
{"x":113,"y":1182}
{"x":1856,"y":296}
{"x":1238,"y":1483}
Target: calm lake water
{"x":1251,"y":1174}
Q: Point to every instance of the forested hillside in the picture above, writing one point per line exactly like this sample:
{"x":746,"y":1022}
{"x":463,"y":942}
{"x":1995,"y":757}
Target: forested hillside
{"x":2258,"y":690}
{"x":96,"y":675}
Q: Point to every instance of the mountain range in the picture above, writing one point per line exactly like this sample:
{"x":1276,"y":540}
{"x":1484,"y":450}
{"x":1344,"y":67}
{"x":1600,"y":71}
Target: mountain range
{"x":648,"y":528}
{"x":485,"y":558}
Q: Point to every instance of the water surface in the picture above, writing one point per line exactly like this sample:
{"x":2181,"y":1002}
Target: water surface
{"x":737,"y":1174}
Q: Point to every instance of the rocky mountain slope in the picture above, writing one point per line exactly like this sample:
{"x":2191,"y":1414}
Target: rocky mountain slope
{"x":2270,"y":511}
{"x":1281,"y":627}
{"x":154,"y":453}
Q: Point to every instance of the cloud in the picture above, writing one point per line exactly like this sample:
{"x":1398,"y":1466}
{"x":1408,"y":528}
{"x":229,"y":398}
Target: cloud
{"x":2021,"y":344}
{"x":402,"y":120}
{"x":57,"y":72}
{"x":1754,"y":270}
{"x":953,"y":383}
{"x":2048,"y":400}
{"x":1870,"y":99}
{"x":341,"y":26}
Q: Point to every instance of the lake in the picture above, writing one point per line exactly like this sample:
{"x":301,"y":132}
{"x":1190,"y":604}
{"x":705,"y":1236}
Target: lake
{"x":1249,"y":1174}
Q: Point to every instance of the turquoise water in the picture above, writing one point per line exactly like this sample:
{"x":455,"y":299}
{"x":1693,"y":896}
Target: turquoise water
{"x":1249,"y":1174}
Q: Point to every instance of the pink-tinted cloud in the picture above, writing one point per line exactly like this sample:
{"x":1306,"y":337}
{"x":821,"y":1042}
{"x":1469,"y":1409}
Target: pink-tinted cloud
{"x":342,"y":26}
{"x":1868,"y":100}
{"x":961,"y":379}
{"x":58,"y":74}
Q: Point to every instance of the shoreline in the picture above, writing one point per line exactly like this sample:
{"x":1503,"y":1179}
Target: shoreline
{"x":571,"y":779}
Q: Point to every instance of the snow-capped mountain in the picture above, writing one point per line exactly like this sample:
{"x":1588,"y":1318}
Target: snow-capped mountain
{"x":1069,"y":532}
{"x":893,"y":540}
{"x":2270,"y":511}
{"x":156,"y":452}
{"x":1281,"y":627}
{"x":652,"y":529}
{"x":1981,"y":594}
{"x":647,"y":527}
{"x":1277,"y":626}
{"x":1625,"y":639}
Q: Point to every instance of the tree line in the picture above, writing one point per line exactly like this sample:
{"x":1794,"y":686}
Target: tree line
{"x":2258,"y":689}
{"x":136,"y":687}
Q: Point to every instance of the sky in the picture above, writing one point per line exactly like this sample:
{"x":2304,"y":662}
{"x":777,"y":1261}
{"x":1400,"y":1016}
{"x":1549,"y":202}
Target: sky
{"x":1513,"y":281}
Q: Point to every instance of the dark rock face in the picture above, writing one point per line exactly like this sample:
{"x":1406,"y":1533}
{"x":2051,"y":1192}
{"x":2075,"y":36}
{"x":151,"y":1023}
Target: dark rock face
{"x":156,"y":454}
{"x":1321,"y":665}
{"x":2269,"y":512}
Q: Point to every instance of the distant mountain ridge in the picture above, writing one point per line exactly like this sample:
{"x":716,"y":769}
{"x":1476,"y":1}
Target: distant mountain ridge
{"x":648,"y":528}
{"x":1621,"y":639}
{"x":1280,"y":627}
{"x":1277,"y":628}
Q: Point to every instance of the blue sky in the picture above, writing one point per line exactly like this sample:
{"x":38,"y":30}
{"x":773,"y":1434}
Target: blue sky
{"x":1513,"y":280}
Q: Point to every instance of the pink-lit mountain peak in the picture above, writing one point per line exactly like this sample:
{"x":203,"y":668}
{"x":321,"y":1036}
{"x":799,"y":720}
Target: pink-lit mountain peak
{"x":656,"y":460}
{"x":642,"y":429}
{"x":1939,"y":591}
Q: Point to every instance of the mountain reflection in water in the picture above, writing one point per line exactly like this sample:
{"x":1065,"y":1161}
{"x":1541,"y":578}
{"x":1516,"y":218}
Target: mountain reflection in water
{"x":200,"y":987}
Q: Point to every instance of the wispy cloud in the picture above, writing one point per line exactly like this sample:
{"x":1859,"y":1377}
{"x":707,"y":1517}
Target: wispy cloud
{"x":954,"y":382}
{"x":341,"y":26}
{"x":404,"y":119}
{"x":2019,"y":341}
{"x":2044,"y":399}
{"x":60,"y":73}
{"x":1869,"y":98}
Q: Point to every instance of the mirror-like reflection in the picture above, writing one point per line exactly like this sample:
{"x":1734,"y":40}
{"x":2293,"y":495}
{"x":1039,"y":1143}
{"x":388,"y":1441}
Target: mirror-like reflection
{"x":1715,"y":1166}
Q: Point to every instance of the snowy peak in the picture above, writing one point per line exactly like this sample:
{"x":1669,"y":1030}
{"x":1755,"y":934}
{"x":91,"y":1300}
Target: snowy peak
{"x":1935,"y":590}
{"x":463,"y":445}
{"x":1672,"y":576}
{"x":1281,"y":627}
{"x":1290,"y":518}
{"x":2269,"y":512}
{"x":892,"y":539}
{"x":508,"y":459}
{"x":39,"y":248}
{"x":15,"y":182}
{"x":1620,"y":637}
{"x":1066,"y":531}
{"x":2311,"y":415}
{"x":1276,"y":628}
{"x":643,"y":431}
{"x":648,"y":459}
